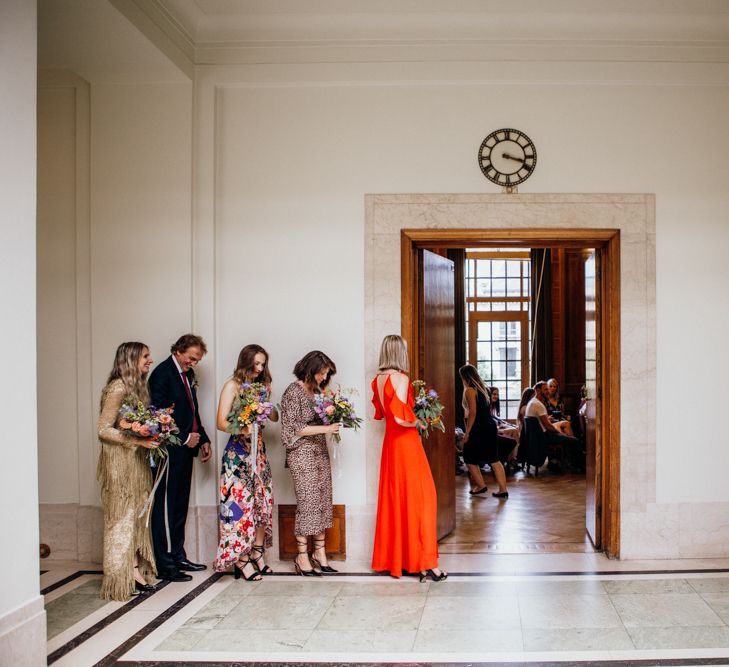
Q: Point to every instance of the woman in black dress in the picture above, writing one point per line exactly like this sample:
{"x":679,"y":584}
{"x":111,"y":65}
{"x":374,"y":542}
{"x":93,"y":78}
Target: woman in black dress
{"x":480,"y":442}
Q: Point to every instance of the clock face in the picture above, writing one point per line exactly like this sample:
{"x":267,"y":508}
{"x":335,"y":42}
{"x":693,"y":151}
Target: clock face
{"x":507,"y":157}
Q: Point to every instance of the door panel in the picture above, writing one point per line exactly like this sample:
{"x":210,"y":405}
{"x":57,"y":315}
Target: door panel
{"x":590,"y":410}
{"x":438,"y":369}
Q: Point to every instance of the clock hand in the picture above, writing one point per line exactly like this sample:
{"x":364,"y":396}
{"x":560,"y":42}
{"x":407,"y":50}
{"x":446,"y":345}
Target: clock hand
{"x":511,"y":157}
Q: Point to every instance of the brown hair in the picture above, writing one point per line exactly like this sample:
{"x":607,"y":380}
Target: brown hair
{"x":472,"y":379}
{"x":126,"y":369}
{"x":310,"y":364}
{"x":187,"y":341}
{"x":245,"y":365}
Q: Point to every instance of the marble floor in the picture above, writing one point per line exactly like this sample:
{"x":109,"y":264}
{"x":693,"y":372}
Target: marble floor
{"x":495,"y":609}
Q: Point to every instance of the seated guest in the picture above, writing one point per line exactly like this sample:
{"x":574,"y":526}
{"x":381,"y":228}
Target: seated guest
{"x":508,"y":433}
{"x":555,"y":408}
{"x":537,"y":408}
{"x":526,"y":396}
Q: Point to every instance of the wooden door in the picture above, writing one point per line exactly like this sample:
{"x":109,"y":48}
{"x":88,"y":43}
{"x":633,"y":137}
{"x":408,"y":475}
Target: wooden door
{"x":437,"y":368}
{"x":591,"y":426}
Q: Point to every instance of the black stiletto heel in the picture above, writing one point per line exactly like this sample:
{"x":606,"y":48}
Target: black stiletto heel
{"x":435,"y":577}
{"x":321,"y":544}
{"x":297,"y":567}
{"x":266,"y":569}
{"x":238,"y":571}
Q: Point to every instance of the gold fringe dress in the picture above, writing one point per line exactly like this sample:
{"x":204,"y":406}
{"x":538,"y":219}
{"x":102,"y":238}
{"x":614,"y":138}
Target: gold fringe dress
{"x":126,"y":481}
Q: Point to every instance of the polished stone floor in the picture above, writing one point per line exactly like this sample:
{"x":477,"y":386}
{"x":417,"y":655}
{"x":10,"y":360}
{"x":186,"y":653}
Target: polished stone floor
{"x":493,"y":609}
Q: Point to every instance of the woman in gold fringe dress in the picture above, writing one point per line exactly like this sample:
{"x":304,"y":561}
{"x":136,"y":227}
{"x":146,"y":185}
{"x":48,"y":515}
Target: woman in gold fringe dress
{"x":125,"y":479}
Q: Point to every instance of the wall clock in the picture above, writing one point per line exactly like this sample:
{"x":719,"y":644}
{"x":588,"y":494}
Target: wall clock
{"x":507,"y":157}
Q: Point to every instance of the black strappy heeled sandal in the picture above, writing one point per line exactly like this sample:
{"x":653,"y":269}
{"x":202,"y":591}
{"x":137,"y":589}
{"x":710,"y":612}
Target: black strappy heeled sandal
{"x":435,"y":577}
{"x":321,"y":544}
{"x":260,"y":549}
{"x":238,"y":569}
{"x":302,"y":548}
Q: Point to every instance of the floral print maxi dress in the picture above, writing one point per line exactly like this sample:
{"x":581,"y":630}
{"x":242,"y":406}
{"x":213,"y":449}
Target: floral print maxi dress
{"x":246,"y":500}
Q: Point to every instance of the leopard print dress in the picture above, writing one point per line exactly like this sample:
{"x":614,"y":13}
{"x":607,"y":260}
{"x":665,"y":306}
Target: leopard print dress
{"x":308,"y":460}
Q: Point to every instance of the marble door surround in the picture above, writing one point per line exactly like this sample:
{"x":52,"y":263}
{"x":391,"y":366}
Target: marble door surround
{"x":645,"y":529}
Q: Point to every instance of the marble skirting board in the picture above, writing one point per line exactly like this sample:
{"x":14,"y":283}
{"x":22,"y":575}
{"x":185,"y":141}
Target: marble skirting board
{"x":75,"y":532}
{"x":681,"y":530}
{"x":23,"y":635}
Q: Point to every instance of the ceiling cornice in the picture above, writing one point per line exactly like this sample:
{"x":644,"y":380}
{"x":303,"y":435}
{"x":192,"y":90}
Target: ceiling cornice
{"x":210,"y":32}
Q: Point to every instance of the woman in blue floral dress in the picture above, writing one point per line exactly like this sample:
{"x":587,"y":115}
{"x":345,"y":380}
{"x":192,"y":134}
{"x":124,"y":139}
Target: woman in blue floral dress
{"x":246,"y":497}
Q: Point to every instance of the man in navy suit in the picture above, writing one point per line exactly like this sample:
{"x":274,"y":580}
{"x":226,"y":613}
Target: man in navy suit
{"x":173,"y":383}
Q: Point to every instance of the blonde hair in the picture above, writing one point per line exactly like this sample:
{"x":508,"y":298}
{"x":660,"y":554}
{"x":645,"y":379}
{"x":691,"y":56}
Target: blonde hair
{"x":394,"y":354}
{"x":126,"y":369}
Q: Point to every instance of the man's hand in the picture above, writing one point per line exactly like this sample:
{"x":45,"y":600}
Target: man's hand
{"x":205,"y":452}
{"x":193,"y":440}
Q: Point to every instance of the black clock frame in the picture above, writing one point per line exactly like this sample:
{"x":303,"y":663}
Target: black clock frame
{"x":521,"y":173}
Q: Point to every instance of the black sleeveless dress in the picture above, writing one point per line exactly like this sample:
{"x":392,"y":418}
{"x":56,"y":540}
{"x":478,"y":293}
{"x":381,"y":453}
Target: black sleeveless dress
{"x":482,"y":445}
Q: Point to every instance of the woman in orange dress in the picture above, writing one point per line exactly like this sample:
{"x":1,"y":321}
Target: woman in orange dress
{"x":405,"y":533}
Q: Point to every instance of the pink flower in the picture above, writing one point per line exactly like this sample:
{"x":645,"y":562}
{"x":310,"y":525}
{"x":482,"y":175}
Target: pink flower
{"x":329,"y":409}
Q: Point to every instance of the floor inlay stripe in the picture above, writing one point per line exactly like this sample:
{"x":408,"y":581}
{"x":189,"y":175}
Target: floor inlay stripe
{"x":655,"y":662}
{"x":103,"y":623}
{"x":69,"y":578}
{"x":113,"y":657}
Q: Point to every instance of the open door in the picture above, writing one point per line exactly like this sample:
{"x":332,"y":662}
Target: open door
{"x":590,"y":413}
{"x":437,"y":368}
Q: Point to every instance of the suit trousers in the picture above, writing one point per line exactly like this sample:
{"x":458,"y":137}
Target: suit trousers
{"x":173,"y":493}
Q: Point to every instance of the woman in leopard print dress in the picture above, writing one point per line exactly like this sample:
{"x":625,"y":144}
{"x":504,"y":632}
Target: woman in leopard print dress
{"x":304,"y":437}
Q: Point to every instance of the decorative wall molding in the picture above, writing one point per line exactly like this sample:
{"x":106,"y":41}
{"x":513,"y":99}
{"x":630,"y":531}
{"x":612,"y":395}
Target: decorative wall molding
{"x":218,"y":32}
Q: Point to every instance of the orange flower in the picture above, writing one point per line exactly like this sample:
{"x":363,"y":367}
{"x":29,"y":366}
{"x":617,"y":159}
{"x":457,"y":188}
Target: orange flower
{"x":144,"y":431}
{"x":165,"y":419}
{"x":136,"y":426}
{"x":123,"y":423}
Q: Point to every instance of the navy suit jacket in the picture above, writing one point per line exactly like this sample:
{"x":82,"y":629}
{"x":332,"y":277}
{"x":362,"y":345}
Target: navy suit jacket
{"x":166,"y":388}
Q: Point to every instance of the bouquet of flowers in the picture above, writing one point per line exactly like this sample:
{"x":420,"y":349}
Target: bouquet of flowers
{"x":428,"y":408}
{"x":250,"y":407}
{"x":150,"y":422}
{"x":335,"y":407}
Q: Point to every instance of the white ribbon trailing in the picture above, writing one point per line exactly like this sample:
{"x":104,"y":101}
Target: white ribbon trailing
{"x":147,"y":507}
{"x":254,"y":448}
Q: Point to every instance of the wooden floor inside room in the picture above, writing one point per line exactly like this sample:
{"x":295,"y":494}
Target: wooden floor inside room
{"x":544,"y":514}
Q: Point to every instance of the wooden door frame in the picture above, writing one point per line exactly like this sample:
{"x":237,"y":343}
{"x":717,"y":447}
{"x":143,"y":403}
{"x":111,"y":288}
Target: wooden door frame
{"x":607,"y":243}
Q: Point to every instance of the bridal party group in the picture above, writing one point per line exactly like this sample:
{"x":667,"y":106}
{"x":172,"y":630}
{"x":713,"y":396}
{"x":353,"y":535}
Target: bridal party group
{"x":151,"y":432}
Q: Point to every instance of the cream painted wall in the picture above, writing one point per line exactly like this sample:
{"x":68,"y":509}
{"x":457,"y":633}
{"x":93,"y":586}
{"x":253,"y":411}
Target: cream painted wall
{"x":18,"y":473}
{"x":135,"y":261}
{"x":296,"y":154}
{"x":140,"y":221}
{"x":58,"y":434}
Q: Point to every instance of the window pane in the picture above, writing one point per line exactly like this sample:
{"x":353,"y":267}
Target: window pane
{"x":498,"y":268}
{"x":513,"y":287}
{"x":498,"y":370}
{"x":512,"y":410}
{"x":513,"y":268}
{"x":483,"y":287}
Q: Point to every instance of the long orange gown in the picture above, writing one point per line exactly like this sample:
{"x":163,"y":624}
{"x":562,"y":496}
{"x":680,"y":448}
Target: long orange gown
{"x":405,"y":533}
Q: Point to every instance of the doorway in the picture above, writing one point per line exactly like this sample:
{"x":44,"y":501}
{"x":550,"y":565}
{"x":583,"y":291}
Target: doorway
{"x":422,"y":280}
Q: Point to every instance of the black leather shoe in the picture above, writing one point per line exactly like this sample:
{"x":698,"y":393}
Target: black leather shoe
{"x":144,"y":588}
{"x":187,"y":566}
{"x":174,"y":576}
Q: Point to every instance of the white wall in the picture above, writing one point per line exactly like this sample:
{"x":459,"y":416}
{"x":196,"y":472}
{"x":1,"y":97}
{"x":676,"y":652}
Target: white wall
{"x":124,"y":276}
{"x":140,"y":222}
{"x":20,"y":601}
